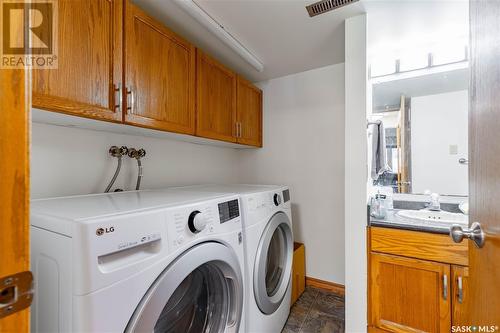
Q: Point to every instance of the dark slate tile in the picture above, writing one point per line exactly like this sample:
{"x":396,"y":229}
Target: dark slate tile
{"x":330,"y":304}
{"x":298,"y":314}
{"x":319,"y":322}
{"x":317,"y":311}
{"x":308,"y":297}
{"x":289,"y":330}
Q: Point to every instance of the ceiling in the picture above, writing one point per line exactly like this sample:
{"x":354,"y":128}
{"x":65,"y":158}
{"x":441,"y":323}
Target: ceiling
{"x":279,"y":33}
{"x":406,"y":24}
{"x":389,"y":93}
{"x":286,"y":40}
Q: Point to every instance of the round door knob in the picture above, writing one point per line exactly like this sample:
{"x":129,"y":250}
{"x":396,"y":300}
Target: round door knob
{"x":475,"y":233}
{"x":277,"y":199}
{"x":197,"y":222}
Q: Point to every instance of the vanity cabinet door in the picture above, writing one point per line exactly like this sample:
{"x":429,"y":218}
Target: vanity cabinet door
{"x":409,"y":295}
{"x":159,"y":74}
{"x":87,"y":80}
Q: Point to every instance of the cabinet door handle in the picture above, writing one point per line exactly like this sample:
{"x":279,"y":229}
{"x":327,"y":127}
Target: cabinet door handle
{"x":239,"y":130}
{"x":460,"y":290}
{"x":130,"y":100}
{"x":117,"y":92}
{"x":445,"y":287}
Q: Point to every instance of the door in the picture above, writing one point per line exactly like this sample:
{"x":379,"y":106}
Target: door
{"x":273,"y":264}
{"x":216,"y":100}
{"x":201,"y":291}
{"x":403,"y":130}
{"x":159,"y":75}
{"x":409,"y":295}
{"x":14,"y":192}
{"x":249,"y":107}
{"x":484,"y":267}
{"x":88,"y":78}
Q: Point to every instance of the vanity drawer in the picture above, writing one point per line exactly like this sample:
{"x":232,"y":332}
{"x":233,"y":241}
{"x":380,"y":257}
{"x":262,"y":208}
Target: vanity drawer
{"x":420,"y":245}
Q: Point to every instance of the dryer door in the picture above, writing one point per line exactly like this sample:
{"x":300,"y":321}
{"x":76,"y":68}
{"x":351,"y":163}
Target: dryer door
{"x":201,"y":291}
{"x":273,"y":263}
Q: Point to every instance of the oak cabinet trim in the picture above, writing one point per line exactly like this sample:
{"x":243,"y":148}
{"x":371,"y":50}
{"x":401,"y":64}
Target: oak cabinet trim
{"x":247,"y":140}
{"x":68,"y":106}
{"x":133,"y":14}
{"x":421,"y":245}
{"x":200,"y":131}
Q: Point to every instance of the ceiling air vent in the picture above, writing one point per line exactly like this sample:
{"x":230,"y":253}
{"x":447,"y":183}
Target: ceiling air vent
{"x":324,"y":6}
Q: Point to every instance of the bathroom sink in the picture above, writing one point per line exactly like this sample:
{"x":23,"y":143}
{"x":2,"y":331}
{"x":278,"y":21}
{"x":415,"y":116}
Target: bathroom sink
{"x":434,"y":216}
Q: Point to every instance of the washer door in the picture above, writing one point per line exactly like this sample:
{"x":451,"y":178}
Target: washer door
{"x":201,"y":291}
{"x":273,"y":263}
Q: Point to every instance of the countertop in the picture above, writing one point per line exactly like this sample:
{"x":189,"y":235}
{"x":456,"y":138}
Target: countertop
{"x":392,"y":220}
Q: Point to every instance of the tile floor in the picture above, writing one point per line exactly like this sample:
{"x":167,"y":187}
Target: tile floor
{"x":316,"y":311}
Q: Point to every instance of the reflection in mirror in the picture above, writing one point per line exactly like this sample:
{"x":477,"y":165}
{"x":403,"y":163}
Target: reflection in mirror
{"x":418,"y":128}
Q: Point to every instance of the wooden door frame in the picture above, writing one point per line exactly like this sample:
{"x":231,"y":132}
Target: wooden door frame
{"x":14,"y":190}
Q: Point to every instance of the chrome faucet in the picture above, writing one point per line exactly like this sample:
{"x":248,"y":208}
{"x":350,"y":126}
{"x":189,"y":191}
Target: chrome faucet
{"x":434,"y":203}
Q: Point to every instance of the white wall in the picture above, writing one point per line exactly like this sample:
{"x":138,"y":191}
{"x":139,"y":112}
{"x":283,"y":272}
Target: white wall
{"x":304,"y":148}
{"x":437,"y":123}
{"x":68,"y":161}
{"x":357,"y":99}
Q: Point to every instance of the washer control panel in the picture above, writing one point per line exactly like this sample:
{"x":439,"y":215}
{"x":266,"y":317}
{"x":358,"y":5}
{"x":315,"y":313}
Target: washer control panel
{"x":229,"y":210}
{"x":197,"y":221}
{"x":277,"y":199}
{"x":190,"y":222}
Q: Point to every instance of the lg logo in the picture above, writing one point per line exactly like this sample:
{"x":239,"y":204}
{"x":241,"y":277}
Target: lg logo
{"x":102,"y":231}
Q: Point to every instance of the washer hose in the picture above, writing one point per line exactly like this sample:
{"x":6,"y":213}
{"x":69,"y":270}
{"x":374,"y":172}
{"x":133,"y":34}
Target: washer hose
{"x":139,"y":174}
{"x":118,"y":167}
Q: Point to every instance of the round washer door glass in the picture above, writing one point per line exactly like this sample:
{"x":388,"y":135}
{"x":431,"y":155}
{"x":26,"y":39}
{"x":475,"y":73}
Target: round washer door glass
{"x":201,"y":291}
{"x":273,"y":263}
{"x":199,"y":304}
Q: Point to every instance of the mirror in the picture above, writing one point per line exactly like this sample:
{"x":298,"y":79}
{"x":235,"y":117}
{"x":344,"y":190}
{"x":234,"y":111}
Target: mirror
{"x":418,"y":129}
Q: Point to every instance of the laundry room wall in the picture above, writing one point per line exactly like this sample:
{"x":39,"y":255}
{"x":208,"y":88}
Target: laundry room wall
{"x":69,"y":161}
{"x":304,"y":148}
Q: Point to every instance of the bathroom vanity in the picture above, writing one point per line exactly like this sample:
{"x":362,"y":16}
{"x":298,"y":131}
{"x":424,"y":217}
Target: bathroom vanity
{"x":417,"y":275}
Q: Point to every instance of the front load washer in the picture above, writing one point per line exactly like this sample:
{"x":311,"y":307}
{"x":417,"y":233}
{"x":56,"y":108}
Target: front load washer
{"x":162,"y":261}
{"x":268,"y":238}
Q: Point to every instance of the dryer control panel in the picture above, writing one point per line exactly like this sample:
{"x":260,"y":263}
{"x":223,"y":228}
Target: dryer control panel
{"x":260,"y":206}
{"x":195,"y":221}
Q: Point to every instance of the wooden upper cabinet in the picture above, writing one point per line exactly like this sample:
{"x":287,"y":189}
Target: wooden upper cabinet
{"x":409,"y":295}
{"x":167,"y":84}
{"x":159,"y":75}
{"x":89,"y":61}
{"x":249,"y":107}
{"x":216,"y":100}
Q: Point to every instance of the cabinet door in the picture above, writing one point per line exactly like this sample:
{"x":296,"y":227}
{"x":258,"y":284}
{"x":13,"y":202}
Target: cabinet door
{"x":461,"y":296}
{"x":159,"y":75}
{"x":409,"y":295}
{"x":89,"y":71}
{"x":249,"y":107}
{"x":216,"y":102}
